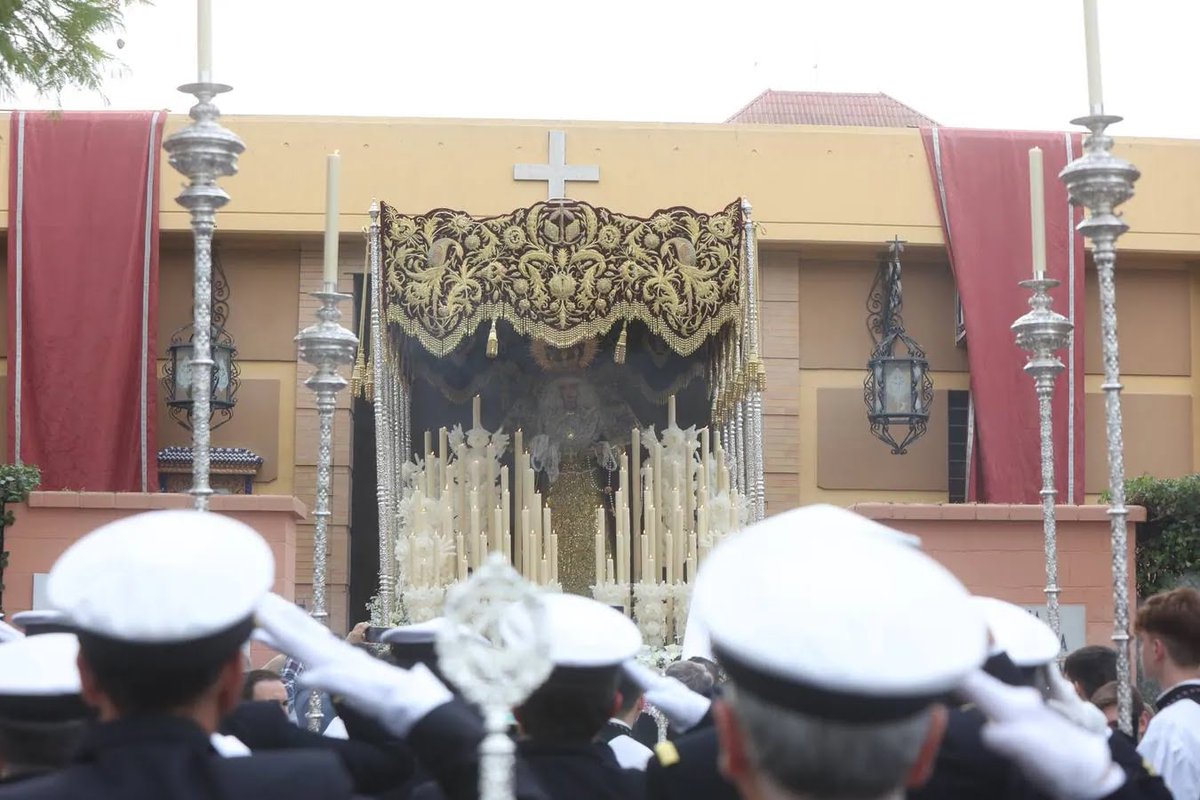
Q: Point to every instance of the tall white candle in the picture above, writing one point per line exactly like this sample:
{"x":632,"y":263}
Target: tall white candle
{"x":1037,"y":211}
{"x":476,"y":413}
{"x":599,"y":545}
{"x":204,"y":41}
{"x":333,"y":172}
{"x":1091,"y":34}
{"x":671,"y":411}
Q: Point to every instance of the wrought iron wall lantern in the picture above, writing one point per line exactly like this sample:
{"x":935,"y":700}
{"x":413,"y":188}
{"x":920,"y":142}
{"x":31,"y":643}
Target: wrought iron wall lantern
{"x":898,"y":390}
{"x":177,"y":377}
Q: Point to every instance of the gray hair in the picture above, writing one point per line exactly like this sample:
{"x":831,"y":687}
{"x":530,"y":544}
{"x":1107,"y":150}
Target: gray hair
{"x":818,"y":758}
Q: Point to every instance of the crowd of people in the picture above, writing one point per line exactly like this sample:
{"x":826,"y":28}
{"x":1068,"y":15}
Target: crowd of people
{"x":836,"y":662}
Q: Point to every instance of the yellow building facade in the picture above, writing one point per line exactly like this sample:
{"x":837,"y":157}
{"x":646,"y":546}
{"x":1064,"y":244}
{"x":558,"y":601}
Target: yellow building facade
{"x":825,"y":200}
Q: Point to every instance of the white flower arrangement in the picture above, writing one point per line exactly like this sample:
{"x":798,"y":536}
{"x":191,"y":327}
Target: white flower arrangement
{"x":651,"y":611}
{"x":424,"y":604}
{"x":612,"y":594}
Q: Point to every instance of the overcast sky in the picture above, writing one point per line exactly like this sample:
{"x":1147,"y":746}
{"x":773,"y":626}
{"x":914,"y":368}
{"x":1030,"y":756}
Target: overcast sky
{"x":1011,"y":64}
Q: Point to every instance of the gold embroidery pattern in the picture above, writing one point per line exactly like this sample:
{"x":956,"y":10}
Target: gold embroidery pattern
{"x":562,"y":272}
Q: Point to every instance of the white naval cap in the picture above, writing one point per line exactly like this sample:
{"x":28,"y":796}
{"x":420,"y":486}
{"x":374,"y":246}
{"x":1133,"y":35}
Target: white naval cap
{"x":418,"y":633}
{"x":1025,"y":639}
{"x":696,"y":641}
{"x":819,"y":611}
{"x":39,"y":680}
{"x":587,"y":634}
{"x":42,"y":620}
{"x":164,"y":577}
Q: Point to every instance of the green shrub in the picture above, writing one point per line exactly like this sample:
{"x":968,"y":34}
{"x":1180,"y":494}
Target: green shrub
{"x":1168,"y":542}
{"x":16,"y":482}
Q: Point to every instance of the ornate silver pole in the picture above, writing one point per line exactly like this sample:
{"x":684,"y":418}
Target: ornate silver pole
{"x":327,"y":346}
{"x":754,"y":377}
{"x":203,"y":152}
{"x":385,"y":459}
{"x":497,"y":652}
{"x":1100,"y":182}
{"x":1042,"y":332}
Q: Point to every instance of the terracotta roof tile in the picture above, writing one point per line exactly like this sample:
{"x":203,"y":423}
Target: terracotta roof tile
{"x":875,"y":110}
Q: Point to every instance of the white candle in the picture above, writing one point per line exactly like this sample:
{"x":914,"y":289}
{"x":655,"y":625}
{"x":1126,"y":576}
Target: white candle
{"x":670,"y":556}
{"x":635,"y":462}
{"x":599,"y":547}
{"x":554,"y":557}
{"x":497,"y":529}
{"x":1037,"y":211}
{"x":1091,"y":34}
{"x":609,"y":571}
{"x":204,"y":41}
{"x":704,"y":459}
{"x":671,"y":411}
{"x":443,"y":454}
{"x":333,"y":170}
{"x":476,"y":413}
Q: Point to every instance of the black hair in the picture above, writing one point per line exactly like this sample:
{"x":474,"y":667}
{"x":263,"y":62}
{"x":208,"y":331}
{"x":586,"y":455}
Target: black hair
{"x":1091,"y":667}
{"x":571,"y":706}
{"x":254,"y":677}
{"x":630,"y":691}
{"x":155,"y":678}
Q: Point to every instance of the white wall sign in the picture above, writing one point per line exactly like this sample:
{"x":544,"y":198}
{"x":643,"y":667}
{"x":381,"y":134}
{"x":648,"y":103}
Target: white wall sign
{"x":40,"y":601}
{"x":1072,"y":620}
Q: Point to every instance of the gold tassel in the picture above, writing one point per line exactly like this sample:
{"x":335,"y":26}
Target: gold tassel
{"x":493,"y":342}
{"x":622,"y":341}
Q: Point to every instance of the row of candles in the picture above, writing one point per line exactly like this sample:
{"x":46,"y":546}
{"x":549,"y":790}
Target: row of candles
{"x":664,"y":507}
{"x":465,"y":497}
{"x":459,"y":505}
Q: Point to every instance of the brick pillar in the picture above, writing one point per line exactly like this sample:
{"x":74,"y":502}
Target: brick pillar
{"x":338,"y":553}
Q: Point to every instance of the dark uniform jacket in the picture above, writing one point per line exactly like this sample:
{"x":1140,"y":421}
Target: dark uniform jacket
{"x":166,"y":758}
{"x":687,"y":768}
{"x":373,"y":767}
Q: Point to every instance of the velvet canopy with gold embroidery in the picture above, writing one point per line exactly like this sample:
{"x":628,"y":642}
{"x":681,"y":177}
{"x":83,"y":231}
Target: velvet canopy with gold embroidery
{"x":562,"y":272}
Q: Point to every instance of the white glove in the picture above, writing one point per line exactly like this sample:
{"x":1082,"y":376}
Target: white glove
{"x":395,"y":697}
{"x":1062,"y":759}
{"x":1065,"y":700}
{"x":297,"y":634}
{"x":679,"y":704}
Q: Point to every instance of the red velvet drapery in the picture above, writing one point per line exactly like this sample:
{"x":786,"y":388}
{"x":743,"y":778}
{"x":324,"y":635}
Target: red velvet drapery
{"x":83,"y":297}
{"x":981,"y":178}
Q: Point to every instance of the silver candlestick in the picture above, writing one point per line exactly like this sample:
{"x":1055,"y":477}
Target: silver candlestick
{"x":1100,"y":181}
{"x":497,"y":651}
{"x":1042,"y":332}
{"x":203,"y":151}
{"x":327,"y":346}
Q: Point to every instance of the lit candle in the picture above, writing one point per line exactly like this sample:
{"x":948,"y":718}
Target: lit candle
{"x":609,"y":573}
{"x":333,"y":169}
{"x":1037,"y":212}
{"x":476,"y":413}
{"x":1091,"y":33}
{"x":443,"y":453}
{"x":599,"y":545}
{"x":635,"y":462}
{"x":204,"y":41}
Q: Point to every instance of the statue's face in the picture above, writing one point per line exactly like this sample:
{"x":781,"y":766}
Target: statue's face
{"x":568,"y":390}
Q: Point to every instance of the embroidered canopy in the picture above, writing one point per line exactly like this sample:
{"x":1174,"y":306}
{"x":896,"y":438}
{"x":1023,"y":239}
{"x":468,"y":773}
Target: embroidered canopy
{"x":562,"y":272}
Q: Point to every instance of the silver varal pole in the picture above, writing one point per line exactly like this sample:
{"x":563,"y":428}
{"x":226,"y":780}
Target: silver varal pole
{"x":385,"y":459}
{"x":327,"y":346}
{"x":203,"y":152}
{"x":1100,"y":181}
{"x":1042,"y":332}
